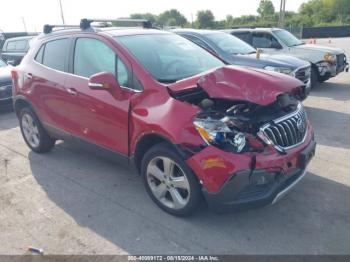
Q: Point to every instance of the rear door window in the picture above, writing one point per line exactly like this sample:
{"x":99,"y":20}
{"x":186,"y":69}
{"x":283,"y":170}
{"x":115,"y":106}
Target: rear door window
{"x":245,"y":36}
{"x":263,"y":40}
{"x":55,"y":54}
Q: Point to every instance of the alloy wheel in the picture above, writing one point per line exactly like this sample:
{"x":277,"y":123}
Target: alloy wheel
{"x":168,"y":182}
{"x":30,"y":130}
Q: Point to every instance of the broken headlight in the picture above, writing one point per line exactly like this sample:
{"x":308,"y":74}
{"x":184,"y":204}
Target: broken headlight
{"x":217,"y":132}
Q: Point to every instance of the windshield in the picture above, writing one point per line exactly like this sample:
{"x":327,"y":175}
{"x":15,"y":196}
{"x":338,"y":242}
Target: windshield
{"x":169,"y":57}
{"x":230,"y":44}
{"x":2,"y":63}
{"x":287,"y":38}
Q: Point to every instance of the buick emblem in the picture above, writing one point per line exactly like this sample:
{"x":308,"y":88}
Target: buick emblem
{"x":301,"y":125}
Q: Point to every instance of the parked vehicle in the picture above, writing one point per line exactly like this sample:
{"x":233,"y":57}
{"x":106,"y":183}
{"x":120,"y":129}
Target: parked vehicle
{"x":234,"y":51}
{"x":14,"y":49}
{"x":326,"y":62}
{"x":5,"y":86}
{"x":192,"y":126}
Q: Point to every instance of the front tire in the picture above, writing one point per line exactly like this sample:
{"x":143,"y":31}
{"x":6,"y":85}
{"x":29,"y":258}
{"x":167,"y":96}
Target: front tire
{"x":170,"y":183}
{"x":33,"y":132}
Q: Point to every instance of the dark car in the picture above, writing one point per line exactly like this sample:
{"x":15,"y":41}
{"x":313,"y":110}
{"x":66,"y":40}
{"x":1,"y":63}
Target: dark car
{"x":236,"y":52}
{"x":191,"y":125}
{"x":14,"y":49}
{"x":5,"y":86}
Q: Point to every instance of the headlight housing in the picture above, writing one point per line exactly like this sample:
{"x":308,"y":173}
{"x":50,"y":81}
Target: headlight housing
{"x":282,"y":70}
{"x":217,"y":132}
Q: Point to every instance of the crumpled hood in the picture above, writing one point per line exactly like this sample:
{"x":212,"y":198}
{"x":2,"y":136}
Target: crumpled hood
{"x":319,"y":48}
{"x":5,"y":74}
{"x":238,"y":83}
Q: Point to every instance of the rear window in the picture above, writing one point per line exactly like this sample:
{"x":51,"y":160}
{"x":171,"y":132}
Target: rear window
{"x":53,"y":54}
{"x":17,"y":45}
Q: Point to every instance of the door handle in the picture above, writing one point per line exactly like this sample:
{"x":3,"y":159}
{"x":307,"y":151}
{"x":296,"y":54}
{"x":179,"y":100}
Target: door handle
{"x":29,"y":75}
{"x":72,"y":91}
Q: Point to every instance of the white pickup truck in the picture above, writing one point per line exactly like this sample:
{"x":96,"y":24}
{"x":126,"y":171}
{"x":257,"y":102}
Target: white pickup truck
{"x":326,"y":62}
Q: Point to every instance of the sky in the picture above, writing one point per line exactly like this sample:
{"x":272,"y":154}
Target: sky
{"x":36,"y":13}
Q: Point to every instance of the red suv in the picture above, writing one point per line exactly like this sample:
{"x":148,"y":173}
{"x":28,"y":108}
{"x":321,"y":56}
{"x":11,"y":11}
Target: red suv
{"x":191,"y":125}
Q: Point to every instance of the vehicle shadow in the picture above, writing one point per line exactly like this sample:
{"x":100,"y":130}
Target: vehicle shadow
{"x":111,"y":201}
{"x":330,"y":127}
{"x":8,"y":120}
{"x":336,"y":91}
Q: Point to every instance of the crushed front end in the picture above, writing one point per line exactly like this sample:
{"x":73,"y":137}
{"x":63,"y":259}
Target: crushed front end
{"x":257,"y":139}
{"x":254,"y":154}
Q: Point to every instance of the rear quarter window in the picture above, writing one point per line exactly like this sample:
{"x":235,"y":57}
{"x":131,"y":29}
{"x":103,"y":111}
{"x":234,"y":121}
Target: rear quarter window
{"x":17,"y":45}
{"x":53,"y":54}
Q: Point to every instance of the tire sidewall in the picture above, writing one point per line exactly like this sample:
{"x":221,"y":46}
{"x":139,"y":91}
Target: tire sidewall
{"x":165,"y":150}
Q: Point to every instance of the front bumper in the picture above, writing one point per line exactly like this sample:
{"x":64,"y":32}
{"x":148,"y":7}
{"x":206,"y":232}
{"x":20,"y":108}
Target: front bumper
{"x":328,"y":70}
{"x":250,"y":185}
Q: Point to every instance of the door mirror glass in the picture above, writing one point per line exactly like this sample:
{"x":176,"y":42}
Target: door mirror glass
{"x":104,"y":81}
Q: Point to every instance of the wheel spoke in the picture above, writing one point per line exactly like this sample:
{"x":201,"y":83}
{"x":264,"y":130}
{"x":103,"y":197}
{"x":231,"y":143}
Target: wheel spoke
{"x":160,"y":191}
{"x":178,"y":201}
{"x":35,"y":139}
{"x":155,"y":171}
{"x":180,"y":182}
{"x":168,"y":167}
{"x":25,"y":124}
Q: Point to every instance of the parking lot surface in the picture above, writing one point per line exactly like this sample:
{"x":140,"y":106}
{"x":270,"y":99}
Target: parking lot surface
{"x":72,"y":202}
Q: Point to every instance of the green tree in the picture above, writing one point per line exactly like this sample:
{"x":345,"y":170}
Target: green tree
{"x":148,"y":16}
{"x":266,"y":9}
{"x":171,"y":18}
{"x":205,"y":19}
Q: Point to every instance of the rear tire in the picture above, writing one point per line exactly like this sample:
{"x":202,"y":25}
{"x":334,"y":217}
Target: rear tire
{"x":33,"y":132}
{"x":169,"y":182}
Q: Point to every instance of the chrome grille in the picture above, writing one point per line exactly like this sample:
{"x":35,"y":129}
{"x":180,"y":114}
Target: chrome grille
{"x":303,"y":74}
{"x":288,"y":131}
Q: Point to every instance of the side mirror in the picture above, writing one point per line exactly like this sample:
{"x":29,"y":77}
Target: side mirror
{"x":105,"y":81}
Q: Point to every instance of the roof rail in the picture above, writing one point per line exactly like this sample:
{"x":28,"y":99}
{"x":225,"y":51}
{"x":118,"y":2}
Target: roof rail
{"x":48,"y":28}
{"x":85,"y":23}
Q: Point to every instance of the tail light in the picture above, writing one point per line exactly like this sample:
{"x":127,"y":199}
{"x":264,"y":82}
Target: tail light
{"x":17,"y":80}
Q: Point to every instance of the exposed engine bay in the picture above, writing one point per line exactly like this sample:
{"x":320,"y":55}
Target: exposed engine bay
{"x":226,"y":123}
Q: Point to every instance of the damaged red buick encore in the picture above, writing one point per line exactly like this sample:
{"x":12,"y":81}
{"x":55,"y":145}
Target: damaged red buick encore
{"x":195,"y":128}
